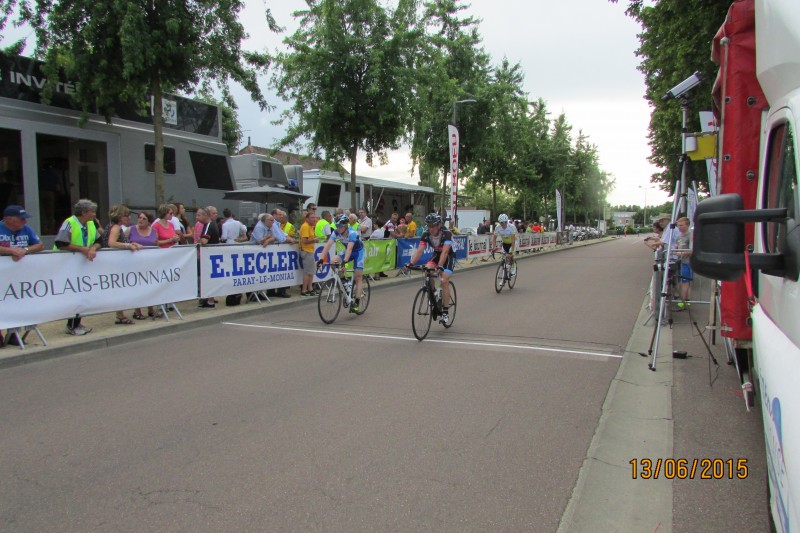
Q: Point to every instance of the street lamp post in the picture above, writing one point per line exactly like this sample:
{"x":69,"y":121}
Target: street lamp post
{"x":453,"y":143}
{"x":644,"y":220}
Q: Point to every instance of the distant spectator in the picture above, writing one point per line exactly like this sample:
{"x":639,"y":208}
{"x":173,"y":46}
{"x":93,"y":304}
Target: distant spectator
{"x":286,"y":227}
{"x":79,"y":234}
{"x":307,"y":246}
{"x":323,"y":228}
{"x":186,"y":228}
{"x":113,"y":237}
{"x":209,"y":235}
{"x":266,"y":231}
{"x":143,"y":234}
{"x":231,"y":228}
{"x":364,"y":224}
{"x":390,"y":227}
{"x":411,"y":229}
{"x":167,"y":237}
{"x":353,"y":221}
{"x":17,"y":239}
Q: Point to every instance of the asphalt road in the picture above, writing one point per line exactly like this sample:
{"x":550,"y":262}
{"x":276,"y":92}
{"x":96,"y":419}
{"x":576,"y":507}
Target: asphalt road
{"x":281,"y":423}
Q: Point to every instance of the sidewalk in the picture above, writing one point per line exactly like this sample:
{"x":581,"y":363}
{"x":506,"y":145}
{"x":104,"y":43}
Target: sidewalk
{"x":105,"y":333}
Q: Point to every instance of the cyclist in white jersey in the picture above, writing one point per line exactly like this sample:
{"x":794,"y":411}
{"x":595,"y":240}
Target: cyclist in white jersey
{"x":508,"y":236}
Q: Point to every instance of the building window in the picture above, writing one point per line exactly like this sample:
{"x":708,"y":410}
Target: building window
{"x":211,"y":171}
{"x":150,"y":159}
{"x":266,"y":169}
{"x":329,"y":194}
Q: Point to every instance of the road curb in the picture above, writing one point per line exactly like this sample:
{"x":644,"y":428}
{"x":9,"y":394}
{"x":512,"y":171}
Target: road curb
{"x":636,"y":423}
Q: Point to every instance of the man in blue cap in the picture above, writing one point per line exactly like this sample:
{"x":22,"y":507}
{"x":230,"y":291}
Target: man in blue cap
{"x":17,"y":239}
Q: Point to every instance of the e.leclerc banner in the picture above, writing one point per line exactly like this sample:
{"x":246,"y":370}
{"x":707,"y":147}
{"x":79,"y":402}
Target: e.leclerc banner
{"x":237,"y":268}
{"x":54,"y":285}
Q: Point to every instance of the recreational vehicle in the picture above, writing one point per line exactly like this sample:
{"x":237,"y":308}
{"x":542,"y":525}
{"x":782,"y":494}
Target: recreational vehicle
{"x":48,"y":160}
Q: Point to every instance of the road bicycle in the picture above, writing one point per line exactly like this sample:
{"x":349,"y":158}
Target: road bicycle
{"x":506,"y":272}
{"x":337,"y":292}
{"x":428,"y":304}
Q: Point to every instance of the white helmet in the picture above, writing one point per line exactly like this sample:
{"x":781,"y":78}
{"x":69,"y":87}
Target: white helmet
{"x":502,"y":218}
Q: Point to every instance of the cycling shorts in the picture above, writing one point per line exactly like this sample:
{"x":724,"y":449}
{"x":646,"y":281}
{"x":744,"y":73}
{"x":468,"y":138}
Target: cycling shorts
{"x":357,"y":258}
{"x":507,"y":246}
{"x":449,"y":264}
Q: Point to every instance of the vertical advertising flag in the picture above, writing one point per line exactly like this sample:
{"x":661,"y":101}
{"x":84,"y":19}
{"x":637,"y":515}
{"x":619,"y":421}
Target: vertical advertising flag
{"x":452,"y":139}
{"x":559,"y":214}
{"x":709,"y":124}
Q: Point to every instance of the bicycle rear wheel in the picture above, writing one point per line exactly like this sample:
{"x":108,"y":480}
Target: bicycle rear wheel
{"x":500,"y":277}
{"x":451,"y":313}
{"x":421,"y":315}
{"x":512,"y":278}
{"x":330,"y":301}
{"x":365,"y":293}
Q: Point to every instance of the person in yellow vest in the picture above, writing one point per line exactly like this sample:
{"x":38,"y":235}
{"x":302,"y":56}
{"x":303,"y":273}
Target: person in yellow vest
{"x":79,"y":234}
{"x":286,"y":226}
{"x":323,"y":228}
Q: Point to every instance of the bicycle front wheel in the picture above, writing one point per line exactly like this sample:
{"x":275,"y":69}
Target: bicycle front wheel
{"x":365,"y":293}
{"x":451,"y":313}
{"x":512,"y":278}
{"x":421,"y":315}
{"x":500,"y":277}
{"x":330,"y":301}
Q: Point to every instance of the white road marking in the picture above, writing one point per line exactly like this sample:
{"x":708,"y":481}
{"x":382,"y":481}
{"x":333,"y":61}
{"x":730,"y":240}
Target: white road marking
{"x":440,"y":341}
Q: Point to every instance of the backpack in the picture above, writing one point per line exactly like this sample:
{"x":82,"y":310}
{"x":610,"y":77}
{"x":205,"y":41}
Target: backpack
{"x":233,"y":299}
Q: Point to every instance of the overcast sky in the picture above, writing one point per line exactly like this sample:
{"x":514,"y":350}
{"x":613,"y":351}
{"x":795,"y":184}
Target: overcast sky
{"x":578,"y":55}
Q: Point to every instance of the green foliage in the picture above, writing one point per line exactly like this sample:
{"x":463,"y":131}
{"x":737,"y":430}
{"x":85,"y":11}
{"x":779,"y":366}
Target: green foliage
{"x":349,"y":74}
{"x":675,"y":42}
{"x":128,"y":50}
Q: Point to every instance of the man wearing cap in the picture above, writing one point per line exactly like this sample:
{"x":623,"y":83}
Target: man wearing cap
{"x":17,"y":239}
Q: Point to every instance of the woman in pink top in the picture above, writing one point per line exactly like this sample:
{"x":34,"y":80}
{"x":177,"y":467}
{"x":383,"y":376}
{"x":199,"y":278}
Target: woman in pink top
{"x":166,"y":236}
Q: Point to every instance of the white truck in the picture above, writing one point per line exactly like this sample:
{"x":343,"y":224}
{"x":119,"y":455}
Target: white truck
{"x":770,"y":263}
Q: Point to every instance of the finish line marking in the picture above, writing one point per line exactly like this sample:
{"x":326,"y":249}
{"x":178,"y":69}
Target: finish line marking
{"x":440,"y":341}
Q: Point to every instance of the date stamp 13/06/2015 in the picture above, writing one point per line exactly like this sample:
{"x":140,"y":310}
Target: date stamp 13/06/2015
{"x":705,"y":468}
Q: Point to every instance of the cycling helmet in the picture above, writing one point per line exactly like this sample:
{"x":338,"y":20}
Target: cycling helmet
{"x":341,"y":220}
{"x":433,"y":219}
{"x":502,"y":218}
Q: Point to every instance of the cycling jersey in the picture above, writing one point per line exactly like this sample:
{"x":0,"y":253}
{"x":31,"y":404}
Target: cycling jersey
{"x":437,"y":242}
{"x":357,"y":253}
{"x":507,"y":234}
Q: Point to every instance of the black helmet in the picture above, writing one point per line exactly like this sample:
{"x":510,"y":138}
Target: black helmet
{"x":433,"y":219}
{"x":341,"y":220}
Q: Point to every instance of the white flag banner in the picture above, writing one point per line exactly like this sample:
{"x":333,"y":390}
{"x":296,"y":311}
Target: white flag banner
{"x":692,"y":207}
{"x":452,"y":138}
{"x":54,"y":285}
{"x":234,"y":269}
{"x":559,"y":214}
{"x":709,"y":124}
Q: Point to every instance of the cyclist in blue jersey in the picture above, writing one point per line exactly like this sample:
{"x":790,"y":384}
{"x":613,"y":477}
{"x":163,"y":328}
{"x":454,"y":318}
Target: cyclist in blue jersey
{"x":444,"y":257}
{"x":353,"y":251}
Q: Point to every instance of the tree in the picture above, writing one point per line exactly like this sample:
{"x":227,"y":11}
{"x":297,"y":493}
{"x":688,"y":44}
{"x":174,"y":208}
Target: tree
{"x":452,"y":67}
{"x":349,"y":72}
{"x":675,"y":42}
{"x":130,"y":50}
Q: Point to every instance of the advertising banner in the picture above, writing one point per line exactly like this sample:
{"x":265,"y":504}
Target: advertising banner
{"x":406,"y":248}
{"x":381,"y":255}
{"x":478,"y":246}
{"x":460,"y":246}
{"x":524,"y":241}
{"x":54,"y":285}
{"x":234,"y":269}
{"x":559,"y":213}
{"x":452,"y":138}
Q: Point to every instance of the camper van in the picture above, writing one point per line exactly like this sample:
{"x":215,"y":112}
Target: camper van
{"x":48,"y":160}
{"x":256,"y":170}
{"x":769,"y":265}
{"x":331,"y":190}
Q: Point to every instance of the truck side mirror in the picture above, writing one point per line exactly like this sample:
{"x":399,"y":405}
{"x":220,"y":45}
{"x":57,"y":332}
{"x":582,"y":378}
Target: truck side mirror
{"x":718,"y":246}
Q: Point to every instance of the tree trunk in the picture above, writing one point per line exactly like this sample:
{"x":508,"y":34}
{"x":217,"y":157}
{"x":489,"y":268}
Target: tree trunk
{"x":353,"y":200}
{"x":158,"y":129}
{"x":445,"y":190}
